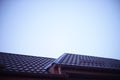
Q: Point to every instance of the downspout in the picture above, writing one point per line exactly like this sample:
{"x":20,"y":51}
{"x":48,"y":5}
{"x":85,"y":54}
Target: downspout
{"x":59,"y":70}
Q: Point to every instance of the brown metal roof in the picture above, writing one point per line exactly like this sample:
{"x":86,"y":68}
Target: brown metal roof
{"x":24,"y":64}
{"x":88,"y":61}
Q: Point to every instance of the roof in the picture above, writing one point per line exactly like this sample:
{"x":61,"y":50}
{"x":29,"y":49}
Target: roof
{"x":87,"y":61}
{"x":31,"y":66}
{"x":24,"y":64}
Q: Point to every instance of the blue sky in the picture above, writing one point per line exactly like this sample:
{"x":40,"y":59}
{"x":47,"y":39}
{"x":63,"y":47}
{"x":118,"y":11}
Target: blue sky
{"x":53,"y":27}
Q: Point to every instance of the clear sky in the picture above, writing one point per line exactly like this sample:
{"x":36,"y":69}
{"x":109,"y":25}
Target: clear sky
{"x":52,"y":27}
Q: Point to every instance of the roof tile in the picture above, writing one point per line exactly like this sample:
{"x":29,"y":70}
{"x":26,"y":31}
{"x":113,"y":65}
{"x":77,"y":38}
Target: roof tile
{"x":23,"y":63}
{"x":88,"y":61}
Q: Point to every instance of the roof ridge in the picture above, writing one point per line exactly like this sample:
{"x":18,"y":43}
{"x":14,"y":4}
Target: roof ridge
{"x":59,"y":58}
{"x":25,"y":55}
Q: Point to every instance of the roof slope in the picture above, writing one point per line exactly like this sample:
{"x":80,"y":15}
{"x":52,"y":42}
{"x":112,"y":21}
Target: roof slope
{"x":88,"y":61}
{"x":24,"y":64}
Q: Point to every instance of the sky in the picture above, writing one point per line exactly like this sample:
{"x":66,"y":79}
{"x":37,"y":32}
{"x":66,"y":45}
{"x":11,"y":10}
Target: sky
{"x":50,"y":28}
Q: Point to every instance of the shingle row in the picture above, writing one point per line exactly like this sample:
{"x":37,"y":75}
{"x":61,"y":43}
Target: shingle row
{"x":23,"y":63}
{"x":89,"y":61}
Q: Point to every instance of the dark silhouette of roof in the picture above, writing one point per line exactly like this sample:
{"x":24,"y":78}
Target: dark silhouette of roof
{"x":87,"y":61}
{"x":25,"y":64}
